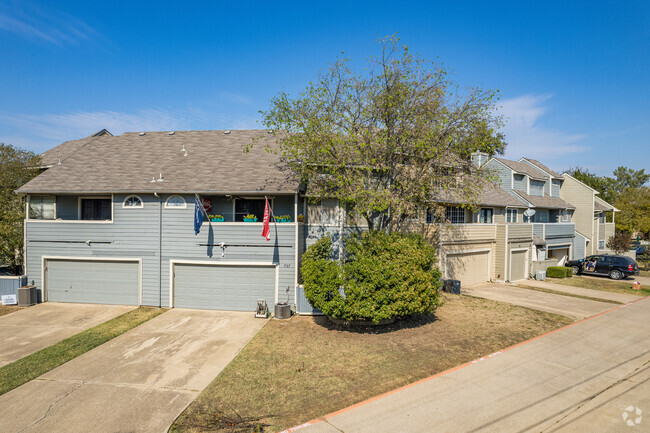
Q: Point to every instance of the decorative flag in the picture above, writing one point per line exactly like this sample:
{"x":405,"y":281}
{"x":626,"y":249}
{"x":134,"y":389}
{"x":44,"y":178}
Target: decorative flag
{"x":199,"y":213}
{"x":266,"y":230}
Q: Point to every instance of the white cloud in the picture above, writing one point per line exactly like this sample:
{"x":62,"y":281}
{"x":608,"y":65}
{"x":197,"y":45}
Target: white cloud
{"x":30,"y":21}
{"x":527,"y":137}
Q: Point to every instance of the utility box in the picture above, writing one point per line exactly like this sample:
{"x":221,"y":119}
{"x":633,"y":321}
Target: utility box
{"x":451,"y":286}
{"x":27,"y":296}
{"x":540,"y":275}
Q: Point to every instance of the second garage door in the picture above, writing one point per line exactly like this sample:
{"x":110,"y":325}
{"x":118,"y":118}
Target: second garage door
{"x":469,"y":268}
{"x":93,"y":281}
{"x":223,"y":287}
{"x":518,"y":265}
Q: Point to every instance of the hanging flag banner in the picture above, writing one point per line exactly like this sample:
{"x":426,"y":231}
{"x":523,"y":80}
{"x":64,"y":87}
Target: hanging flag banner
{"x":199,"y":214}
{"x":266,"y":229}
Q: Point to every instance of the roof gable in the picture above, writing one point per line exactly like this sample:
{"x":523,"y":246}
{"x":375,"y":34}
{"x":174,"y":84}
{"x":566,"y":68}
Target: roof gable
{"x":523,"y":168}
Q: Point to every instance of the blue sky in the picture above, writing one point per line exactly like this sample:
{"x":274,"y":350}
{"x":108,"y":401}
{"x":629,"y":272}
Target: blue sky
{"x":574,"y":76}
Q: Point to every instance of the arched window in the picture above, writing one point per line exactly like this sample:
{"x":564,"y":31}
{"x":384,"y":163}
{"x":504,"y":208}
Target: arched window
{"x":133,"y":202}
{"x":176,"y":202}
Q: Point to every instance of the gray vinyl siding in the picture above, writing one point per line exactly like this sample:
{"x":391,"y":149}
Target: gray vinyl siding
{"x":67,"y":207}
{"x":135,"y":233}
{"x":503,"y":173}
{"x":555,"y":188}
{"x":538,"y":230}
{"x":180,"y":243}
{"x":520,"y":182}
{"x":132,"y":234}
{"x":579,"y":246}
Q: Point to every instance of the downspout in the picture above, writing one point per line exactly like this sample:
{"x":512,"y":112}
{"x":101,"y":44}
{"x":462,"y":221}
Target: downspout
{"x":159,"y":249}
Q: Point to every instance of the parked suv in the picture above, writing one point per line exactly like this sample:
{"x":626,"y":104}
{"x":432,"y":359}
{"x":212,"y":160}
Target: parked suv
{"x":615,"y":267}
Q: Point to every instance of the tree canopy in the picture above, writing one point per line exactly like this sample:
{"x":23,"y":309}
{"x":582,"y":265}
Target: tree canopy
{"x":634,"y":206}
{"x":387,"y":139}
{"x":611,"y":188}
{"x":17,"y":166}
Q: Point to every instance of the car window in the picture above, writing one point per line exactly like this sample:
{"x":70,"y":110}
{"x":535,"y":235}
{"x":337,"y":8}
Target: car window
{"x":605,"y":259}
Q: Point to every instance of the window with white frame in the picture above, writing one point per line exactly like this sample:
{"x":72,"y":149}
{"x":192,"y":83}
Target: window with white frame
{"x":95,"y":208}
{"x":133,"y":202}
{"x":485,"y":216}
{"x":537,"y":187}
{"x":176,"y":202}
{"x":42,"y":207}
{"x":455,"y":215}
{"x":565,"y":216}
{"x":511,"y":215}
{"x":601,"y":245}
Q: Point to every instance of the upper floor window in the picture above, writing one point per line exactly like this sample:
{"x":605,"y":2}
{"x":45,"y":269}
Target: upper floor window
{"x":133,"y":202}
{"x":601,"y":245}
{"x":95,"y":208}
{"x":536,"y":187}
{"x":485,"y":216}
{"x":565,"y":216}
{"x":246,"y":206}
{"x":511,"y":215}
{"x":455,"y":215}
{"x":176,"y":202}
{"x":41,"y":207}
{"x":602,"y":218}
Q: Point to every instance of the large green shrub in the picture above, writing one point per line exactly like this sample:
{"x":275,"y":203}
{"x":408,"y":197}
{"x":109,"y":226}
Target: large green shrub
{"x":383,"y":276}
{"x":559,"y":272}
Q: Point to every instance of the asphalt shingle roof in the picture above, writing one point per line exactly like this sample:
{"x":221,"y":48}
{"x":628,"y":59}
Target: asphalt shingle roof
{"x":523,"y":168}
{"x":545,"y":168}
{"x":215,"y":163}
{"x":491,"y":195}
{"x":545,"y":201}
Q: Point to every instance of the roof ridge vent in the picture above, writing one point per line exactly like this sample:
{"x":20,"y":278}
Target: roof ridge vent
{"x":142,"y":133}
{"x":171,"y":133}
{"x":226,"y":131}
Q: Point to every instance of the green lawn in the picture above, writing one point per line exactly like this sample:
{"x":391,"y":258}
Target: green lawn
{"x":603,"y":283}
{"x":30,"y":367}
{"x":299,"y":369}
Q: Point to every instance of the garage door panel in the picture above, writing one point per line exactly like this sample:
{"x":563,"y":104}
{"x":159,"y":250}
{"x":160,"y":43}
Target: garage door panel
{"x":517,"y":265}
{"x":93,"y":281}
{"x":223,"y":287}
{"x":469,"y":268}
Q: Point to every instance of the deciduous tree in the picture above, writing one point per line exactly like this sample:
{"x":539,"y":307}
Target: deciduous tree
{"x":17,"y":166}
{"x":388,"y":138}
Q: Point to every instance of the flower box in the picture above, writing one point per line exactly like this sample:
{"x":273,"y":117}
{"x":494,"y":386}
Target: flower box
{"x":216,"y":218}
{"x":283,"y":219}
{"x":250,"y":218}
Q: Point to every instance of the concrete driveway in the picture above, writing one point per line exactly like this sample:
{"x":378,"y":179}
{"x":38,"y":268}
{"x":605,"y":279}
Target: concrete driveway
{"x":31,"y":329}
{"x":138,"y":382}
{"x":575,"y":308}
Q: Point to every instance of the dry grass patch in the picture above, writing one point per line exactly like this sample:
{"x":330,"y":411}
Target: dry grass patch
{"x":644,"y":274}
{"x":7,"y":309}
{"x":303,"y":368}
{"x":603,"y":283}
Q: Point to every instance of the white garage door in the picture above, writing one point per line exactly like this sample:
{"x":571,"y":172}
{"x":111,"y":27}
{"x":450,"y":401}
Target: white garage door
{"x":469,"y":268}
{"x":518,"y":265}
{"x":92,"y":281}
{"x":223,"y":287}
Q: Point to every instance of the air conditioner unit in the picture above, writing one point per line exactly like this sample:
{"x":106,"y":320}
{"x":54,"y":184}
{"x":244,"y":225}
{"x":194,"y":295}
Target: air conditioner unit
{"x":540,"y":275}
{"x":27,"y":296}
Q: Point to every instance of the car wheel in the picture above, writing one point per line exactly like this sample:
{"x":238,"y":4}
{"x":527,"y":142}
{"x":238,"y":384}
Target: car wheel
{"x":576,"y":270}
{"x":616,"y":275}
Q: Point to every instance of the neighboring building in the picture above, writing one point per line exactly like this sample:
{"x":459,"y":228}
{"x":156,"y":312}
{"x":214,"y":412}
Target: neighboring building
{"x":550,"y":216}
{"x":112,"y":222}
{"x":593,"y":217}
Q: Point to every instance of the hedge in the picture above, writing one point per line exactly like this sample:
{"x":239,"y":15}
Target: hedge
{"x":384,"y":276}
{"x":559,"y":272}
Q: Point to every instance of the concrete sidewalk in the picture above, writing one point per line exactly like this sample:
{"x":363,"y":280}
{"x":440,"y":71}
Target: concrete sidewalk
{"x":600,"y":294}
{"x":138,"y":382}
{"x":575,"y":308}
{"x":580,"y":378}
{"x":31,"y":329}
